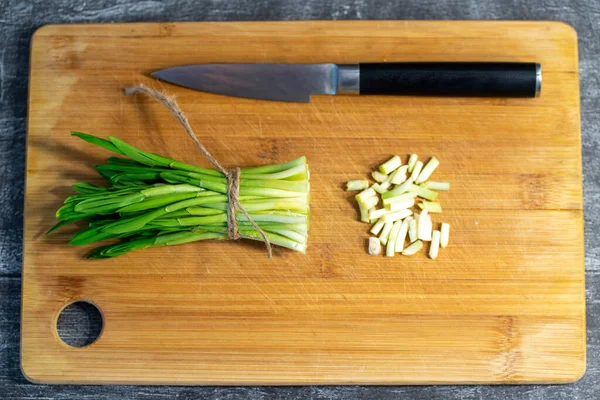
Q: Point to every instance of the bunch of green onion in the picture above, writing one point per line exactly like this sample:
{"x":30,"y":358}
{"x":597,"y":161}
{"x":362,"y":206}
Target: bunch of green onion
{"x":157,"y":201}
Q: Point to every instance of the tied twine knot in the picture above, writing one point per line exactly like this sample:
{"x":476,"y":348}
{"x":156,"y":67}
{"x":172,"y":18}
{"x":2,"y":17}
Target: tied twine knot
{"x":232,"y":175}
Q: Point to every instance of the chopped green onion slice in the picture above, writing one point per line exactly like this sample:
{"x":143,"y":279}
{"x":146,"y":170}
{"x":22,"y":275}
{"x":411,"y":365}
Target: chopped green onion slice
{"x":424,"y":227}
{"x":376,"y":214}
{"x":412,"y":230}
{"x":357,"y":185}
{"x":445,"y":234}
{"x":390,"y":165}
{"x":412,"y":160}
{"x":413,"y":248}
{"x":381,"y":187}
{"x":378,"y":176}
{"x":364,"y":212}
{"x":435,"y":244}
{"x":427,"y":170}
{"x":374,"y":246}
{"x":399,"y":175}
{"x":365,"y":194}
{"x":435,"y":185}
{"x":424,"y":193}
{"x":431,"y":206}
{"x":395,"y":216}
{"x":416,"y":171}
{"x":403,"y":188}
{"x":376,"y":229}
{"x":400,"y":198}
{"x":402,"y":236}
{"x":385,"y":233}
{"x":403,"y":205}
{"x":369,"y":203}
{"x":390,"y":249}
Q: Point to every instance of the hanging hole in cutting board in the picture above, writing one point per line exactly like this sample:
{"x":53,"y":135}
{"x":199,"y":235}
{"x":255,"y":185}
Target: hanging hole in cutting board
{"x":79,"y":324}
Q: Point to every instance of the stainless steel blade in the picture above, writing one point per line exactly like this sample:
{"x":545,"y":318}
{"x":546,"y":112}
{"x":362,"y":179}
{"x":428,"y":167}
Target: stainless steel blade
{"x":282,"y":82}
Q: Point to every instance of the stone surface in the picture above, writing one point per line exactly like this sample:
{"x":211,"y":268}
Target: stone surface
{"x":19,"y":19}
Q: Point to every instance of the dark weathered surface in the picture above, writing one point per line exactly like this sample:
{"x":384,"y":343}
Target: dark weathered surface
{"x":19,"y":19}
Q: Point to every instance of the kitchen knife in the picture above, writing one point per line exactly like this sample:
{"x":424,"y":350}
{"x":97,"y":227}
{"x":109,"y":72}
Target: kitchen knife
{"x":298,"y":82}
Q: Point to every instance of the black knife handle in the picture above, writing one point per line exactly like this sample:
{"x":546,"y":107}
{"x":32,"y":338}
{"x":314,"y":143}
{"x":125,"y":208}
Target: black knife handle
{"x":464,"y":79}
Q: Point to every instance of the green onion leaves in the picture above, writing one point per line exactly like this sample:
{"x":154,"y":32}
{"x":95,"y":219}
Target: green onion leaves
{"x":153,"y":201}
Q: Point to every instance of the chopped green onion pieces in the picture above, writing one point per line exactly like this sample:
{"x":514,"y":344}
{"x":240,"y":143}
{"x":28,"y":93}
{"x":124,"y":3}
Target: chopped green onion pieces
{"x":402,"y":236}
{"x":376,"y":214}
{"x":357,"y":185}
{"x":416,"y":171}
{"x":399,"y":198}
{"x":369,"y":203}
{"x":445,"y":234}
{"x":424,"y":193}
{"x":431,"y":206}
{"x":390,"y":248}
{"x":436,"y":185}
{"x":365,"y":194}
{"x":399,"y":175}
{"x":393,"y":222}
{"x":424,"y":226}
{"x":413,"y":248}
{"x":427,"y":170}
{"x":378,"y":176}
{"x":374,"y":246}
{"x":435,"y":244}
{"x":403,"y":188}
{"x":385,"y":233}
{"x":395,"y":216}
{"x":402,"y":205}
{"x":376,"y":229}
{"x":412,"y":160}
{"x":412,"y":230}
{"x":390,"y":165}
{"x":364,"y":212}
{"x":381,"y":187}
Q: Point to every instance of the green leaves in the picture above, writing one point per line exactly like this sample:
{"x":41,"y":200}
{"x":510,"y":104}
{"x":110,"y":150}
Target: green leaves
{"x":97,"y":141}
{"x":111,"y":204}
{"x":136,"y":154}
{"x":155,"y":202}
{"x":170,"y":239}
{"x":87,"y":188}
{"x":133,"y":224}
{"x":170,"y":189}
{"x":152,"y":200}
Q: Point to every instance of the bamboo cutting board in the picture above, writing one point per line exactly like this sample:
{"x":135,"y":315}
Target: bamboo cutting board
{"x":504,"y":303}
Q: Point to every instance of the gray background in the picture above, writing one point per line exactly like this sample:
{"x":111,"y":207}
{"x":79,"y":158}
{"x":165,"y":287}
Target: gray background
{"x":19,"y":19}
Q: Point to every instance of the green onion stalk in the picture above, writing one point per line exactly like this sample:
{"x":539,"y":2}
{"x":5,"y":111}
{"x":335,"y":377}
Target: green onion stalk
{"x":154,"y":201}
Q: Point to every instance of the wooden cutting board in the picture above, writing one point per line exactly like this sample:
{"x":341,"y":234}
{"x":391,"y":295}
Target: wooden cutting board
{"x":504,"y":303}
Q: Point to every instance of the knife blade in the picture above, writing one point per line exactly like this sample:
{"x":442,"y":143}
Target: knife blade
{"x":298,"y":82}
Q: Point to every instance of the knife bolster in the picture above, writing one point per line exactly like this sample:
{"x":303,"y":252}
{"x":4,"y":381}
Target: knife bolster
{"x":348,"y":79}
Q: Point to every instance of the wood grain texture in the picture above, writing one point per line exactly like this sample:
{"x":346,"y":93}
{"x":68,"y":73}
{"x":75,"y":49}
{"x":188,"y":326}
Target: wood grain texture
{"x":503,"y":304}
